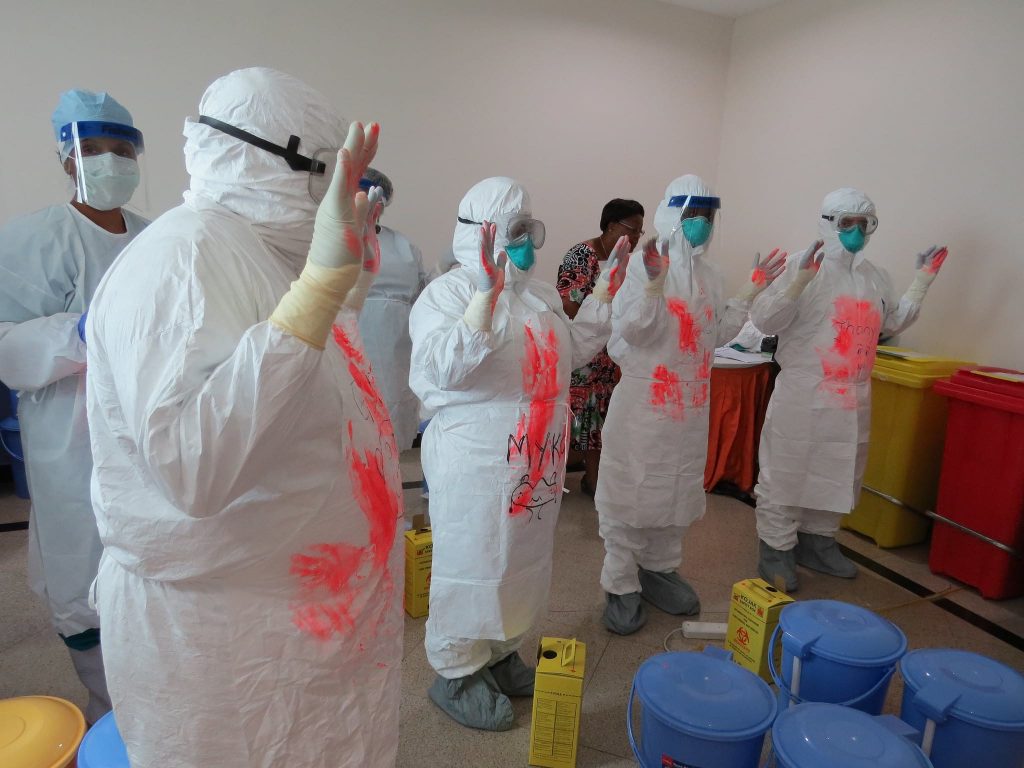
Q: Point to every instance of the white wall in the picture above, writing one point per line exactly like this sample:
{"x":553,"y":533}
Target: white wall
{"x":581,"y":100}
{"x":919,"y":103}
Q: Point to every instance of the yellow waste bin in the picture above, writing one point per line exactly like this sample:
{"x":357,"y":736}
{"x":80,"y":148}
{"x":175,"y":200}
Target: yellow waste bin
{"x":908,"y":430}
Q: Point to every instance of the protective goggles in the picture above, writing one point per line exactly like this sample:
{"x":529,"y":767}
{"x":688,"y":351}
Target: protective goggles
{"x":320,"y":166}
{"x":516,"y":228}
{"x":696,"y":205}
{"x":843,"y":220}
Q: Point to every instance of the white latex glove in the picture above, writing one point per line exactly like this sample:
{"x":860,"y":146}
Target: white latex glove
{"x":928,"y":265}
{"x":656,"y":265}
{"x":810,"y":263}
{"x":341,"y":216}
{"x":371,"y":251}
{"x":311,"y":305}
{"x":614,"y":272}
{"x":764,"y":273}
{"x":490,"y":281}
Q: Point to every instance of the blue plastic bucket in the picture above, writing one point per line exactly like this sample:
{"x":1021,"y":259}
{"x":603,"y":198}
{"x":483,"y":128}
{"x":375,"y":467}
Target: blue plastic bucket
{"x":102,"y":746}
{"x":970,"y":708}
{"x":10,"y":442}
{"x":835,"y":653}
{"x":816,"y":735}
{"x":699,"y":710}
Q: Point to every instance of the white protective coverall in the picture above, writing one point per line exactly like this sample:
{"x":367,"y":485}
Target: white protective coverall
{"x":245,"y":483}
{"x":384,"y":326}
{"x":494,"y":453}
{"x":814,"y":443}
{"x":51,"y":262}
{"x":651,"y":484}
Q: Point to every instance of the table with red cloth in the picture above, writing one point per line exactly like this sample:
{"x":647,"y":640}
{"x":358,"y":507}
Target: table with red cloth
{"x":739,"y":400}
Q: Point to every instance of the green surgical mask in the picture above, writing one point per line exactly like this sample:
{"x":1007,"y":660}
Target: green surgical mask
{"x":696,"y":230}
{"x":522,"y":254}
{"x":852,"y":239}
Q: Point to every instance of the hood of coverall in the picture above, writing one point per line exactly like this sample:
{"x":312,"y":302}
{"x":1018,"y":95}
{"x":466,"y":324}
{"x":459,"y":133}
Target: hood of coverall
{"x":666,"y":219}
{"x":255,"y":184}
{"x":485,"y":201}
{"x":848,"y":200}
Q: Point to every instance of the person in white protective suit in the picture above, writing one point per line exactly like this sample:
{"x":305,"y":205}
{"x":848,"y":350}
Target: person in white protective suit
{"x":384,"y":321}
{"x":246,"y":481}
{"x":666,"y":323}
{"x":492,"y":351}
{"x":828,"y":310}
{"x":51,"y":262}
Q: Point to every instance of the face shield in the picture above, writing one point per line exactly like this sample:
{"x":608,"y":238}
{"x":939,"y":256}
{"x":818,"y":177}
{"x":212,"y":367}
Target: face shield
{"x":319,"y":166}
{"x":697,"y":216}
{"x":104,"y":160}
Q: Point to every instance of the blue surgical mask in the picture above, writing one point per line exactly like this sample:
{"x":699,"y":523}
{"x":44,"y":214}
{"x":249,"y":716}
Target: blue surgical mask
{"x":522,"y":254}
{"x":696,"y":230}
{"x":852,"y":239}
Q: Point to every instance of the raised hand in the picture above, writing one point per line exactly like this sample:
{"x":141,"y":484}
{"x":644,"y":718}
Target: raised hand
{"x":614,"y":272}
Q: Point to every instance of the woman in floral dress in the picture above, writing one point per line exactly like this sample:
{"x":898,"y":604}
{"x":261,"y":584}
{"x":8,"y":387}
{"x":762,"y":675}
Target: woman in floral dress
{"x":590,"y":388}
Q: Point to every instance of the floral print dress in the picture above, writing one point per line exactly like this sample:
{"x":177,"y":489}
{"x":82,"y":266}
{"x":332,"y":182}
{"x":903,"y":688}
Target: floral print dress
{"x":590,"y":388}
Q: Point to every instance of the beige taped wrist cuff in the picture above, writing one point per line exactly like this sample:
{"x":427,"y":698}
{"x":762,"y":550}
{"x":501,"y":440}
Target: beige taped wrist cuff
{"x":308,"y":310}
{"x":602,"y":292}
{"x":480,"y":311}
{"x":917,"y":290}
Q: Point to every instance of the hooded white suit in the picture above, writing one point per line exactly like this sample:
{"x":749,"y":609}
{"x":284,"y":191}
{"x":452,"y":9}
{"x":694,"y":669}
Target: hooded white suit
{"x":651,"y":483}
{"x":246,"y":484}
{"x":815,"y":438}
{"x":494,"y":453}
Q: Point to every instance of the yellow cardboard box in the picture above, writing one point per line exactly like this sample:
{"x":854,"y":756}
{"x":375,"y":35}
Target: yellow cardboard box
{"x":419,"y":551}
{"x":557,"y":703}
{"x":753,"y":615}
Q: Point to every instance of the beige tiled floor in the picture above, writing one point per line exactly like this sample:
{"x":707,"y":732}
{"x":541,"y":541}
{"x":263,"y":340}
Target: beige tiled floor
{"x":719,"y":550}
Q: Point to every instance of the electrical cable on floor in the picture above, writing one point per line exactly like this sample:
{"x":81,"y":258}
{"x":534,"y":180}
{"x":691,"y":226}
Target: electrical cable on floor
{"x":665,"y":642}
{"x":919,"y":600}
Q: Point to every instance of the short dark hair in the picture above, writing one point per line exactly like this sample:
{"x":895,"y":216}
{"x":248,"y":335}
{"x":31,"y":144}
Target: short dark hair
{"x":617,"y":210}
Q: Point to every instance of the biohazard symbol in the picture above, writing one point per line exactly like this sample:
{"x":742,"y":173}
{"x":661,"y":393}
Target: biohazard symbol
{"x":742,"y":637}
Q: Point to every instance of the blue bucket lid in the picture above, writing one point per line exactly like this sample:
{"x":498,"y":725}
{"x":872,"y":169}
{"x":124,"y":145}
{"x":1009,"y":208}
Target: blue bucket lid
{"x":102,"y":746}
{"x":842,"y":632}
{"x":706,"y":697}
{"x":976,"y":689}
{"x":814,"y":734}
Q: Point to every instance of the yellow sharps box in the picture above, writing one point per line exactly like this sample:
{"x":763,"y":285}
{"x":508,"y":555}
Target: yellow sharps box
{"x":753,"y":615}
{"x":419,"y":551}
{"x":557,"y":703}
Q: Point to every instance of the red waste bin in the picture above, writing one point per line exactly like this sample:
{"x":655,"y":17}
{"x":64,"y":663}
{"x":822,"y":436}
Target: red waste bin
{"x":982,"y":482}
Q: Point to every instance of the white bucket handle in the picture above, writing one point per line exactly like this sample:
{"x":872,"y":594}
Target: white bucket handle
{"x":10,"y":452}
{"x":793,"y":696}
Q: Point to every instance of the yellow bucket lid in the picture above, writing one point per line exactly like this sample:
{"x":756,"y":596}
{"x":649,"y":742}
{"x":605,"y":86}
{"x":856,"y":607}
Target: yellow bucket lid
{"x":913,"y":369}
{"x":39,"y":732}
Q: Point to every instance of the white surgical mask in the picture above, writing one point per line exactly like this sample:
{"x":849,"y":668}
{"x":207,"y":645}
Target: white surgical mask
{"x":109,"y":180}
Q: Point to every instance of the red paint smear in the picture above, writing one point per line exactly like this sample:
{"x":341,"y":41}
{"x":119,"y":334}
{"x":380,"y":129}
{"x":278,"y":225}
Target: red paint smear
{"x":380,"y":503}
{"x":362,"y":375}
{"x":856,"y":324}
{"x":704,"y":372}
{"x":323,"y":620}
{"x":689,"y":329}
{"x":329,"y":569}
{"x":709,"y":313}
{"x":667,"y":392}
{"x":540,"y":382}
{"x":759,"y":276}
{"x":699,"y":396}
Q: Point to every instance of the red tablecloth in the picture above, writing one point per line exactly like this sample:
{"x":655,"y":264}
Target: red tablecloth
{"x":739,"y":399}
